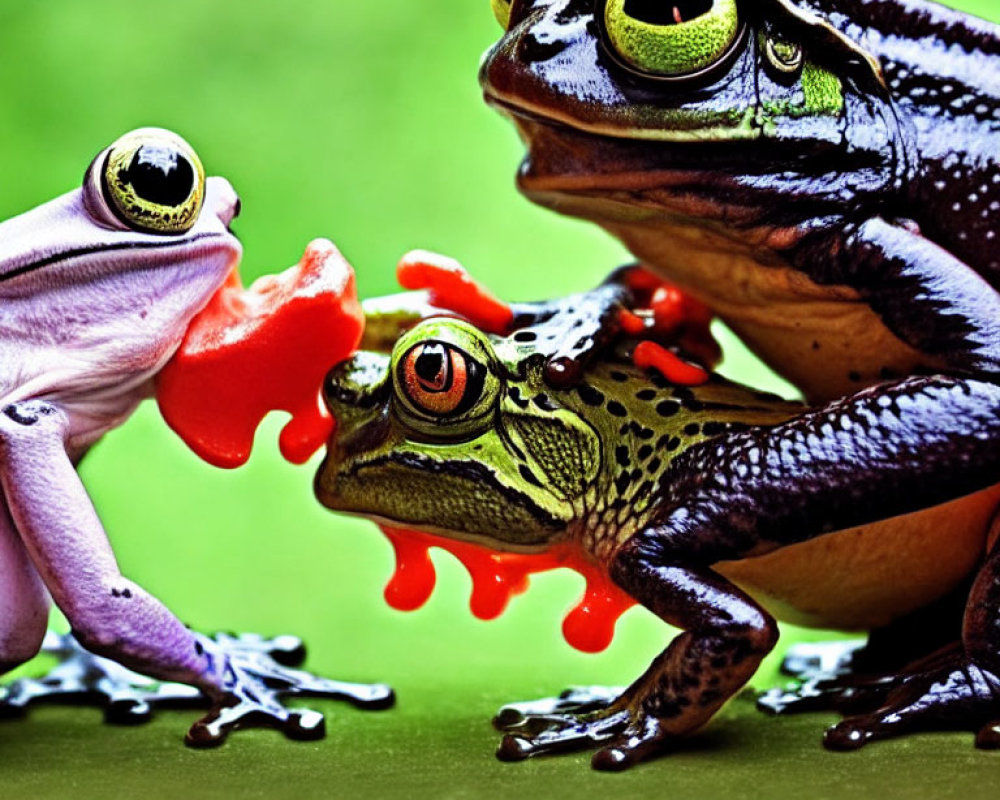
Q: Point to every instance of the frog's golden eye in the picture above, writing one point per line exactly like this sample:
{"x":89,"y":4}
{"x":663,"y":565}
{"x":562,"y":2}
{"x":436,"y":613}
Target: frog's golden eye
{"x":440,"y":380}
{"x":501,"y":10}
{"x":149,"y":180}
{"x":670,"y":39}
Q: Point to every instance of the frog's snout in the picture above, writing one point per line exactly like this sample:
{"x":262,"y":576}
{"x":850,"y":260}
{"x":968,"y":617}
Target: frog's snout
{"x":361,"y":383}
{"x":222,"y":200}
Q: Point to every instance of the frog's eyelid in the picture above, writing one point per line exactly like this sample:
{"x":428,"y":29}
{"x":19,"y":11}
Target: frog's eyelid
{"x":136,"y":210}
{"x":867,"y":68}
{"x":95,"y":200}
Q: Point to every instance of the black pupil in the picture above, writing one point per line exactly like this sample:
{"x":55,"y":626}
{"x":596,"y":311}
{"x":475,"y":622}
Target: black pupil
{"x":431,"y":366}
{"x":160,"y":175}
{"x":666,"y":12}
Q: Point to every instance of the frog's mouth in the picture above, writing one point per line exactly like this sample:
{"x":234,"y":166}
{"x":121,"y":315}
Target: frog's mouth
{"x":610,"y":178}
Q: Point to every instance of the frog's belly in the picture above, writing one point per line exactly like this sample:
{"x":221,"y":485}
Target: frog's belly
{"x":863,"y":578}
{"x":824,"y":339}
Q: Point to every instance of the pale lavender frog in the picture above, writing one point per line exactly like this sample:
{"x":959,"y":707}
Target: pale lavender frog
{"x":97,"y":288}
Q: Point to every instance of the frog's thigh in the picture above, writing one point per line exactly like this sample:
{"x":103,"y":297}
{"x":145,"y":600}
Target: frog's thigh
{"x":24,"y":603}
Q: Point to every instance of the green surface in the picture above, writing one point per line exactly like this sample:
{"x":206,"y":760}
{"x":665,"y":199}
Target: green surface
{"x":361,"y":122}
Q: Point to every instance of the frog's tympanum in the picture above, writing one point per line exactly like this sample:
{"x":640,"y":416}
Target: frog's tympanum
{"x":700,"y":502}
{"x":98,"y":288}
{"x":824,"y":175}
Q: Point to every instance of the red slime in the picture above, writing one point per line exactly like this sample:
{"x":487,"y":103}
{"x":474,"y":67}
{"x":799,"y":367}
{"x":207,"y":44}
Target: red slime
{"x":450,"y":286}
{"x":251,"y":351}
{"x":650,"y":355}
{"x":498,"y":576}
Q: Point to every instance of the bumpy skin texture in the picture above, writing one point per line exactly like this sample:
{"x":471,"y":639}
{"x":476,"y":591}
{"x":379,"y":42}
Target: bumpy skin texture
{"x":689,"y":483}
{"x":850,"y":242}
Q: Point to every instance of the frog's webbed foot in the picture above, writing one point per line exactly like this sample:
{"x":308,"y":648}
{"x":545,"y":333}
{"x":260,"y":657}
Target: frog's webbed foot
{"x":826,"y":680}
{"x":513,"y":717}
{"x":946,"y":691}
{"x":81,"y":677}
{"x":259,"y":672}
{"x":578,"y":719}
{"x":257,"y":675}
{"x":854,"y":676}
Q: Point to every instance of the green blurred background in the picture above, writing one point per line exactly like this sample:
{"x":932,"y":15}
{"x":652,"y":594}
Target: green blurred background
{"x":361,"y":122}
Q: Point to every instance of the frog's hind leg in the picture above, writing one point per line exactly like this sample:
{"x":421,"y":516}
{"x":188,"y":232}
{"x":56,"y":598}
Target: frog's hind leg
{"x":853,"y":676}
{"x":957,"y":688}
{"x":726,"y":634}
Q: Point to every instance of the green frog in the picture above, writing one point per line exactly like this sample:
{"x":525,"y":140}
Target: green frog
{"x":700,"y":502}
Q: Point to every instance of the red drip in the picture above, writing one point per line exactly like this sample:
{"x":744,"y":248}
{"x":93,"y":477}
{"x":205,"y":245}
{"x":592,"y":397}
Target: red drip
{"x":450,"y":286}
{"x":499,"y":576}
{"x":650,"y":355}
{"x":667,"y":312}
{"x":251,"y":351}
{"x":631,"y":323}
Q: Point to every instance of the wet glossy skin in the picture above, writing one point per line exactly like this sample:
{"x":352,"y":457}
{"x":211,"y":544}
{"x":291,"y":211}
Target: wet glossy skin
{"x":677,"y":491}
{"x":97,"y":289}
{"x":840,"y":216}
{"x":764,"y":199}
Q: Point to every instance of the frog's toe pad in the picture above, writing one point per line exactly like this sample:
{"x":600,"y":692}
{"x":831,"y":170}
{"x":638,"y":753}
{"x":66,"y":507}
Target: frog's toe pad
{"x":212,"y":730}
{"x":988,"y":737}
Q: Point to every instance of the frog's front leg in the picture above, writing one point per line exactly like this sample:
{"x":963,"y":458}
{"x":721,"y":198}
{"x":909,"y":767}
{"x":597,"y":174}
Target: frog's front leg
{"x":726,"y":634}
{"x":109,"y":614}
{"x":24,"y":603}
{"x":928,"y":298}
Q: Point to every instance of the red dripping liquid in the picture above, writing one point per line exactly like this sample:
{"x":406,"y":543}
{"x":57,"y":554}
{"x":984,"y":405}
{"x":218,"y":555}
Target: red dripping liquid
{"x":266,"y":348}
{"x":669,"y":312}
{"x":650,"y":355}
{"x":498,"y":576}
{"x":450,"y":286}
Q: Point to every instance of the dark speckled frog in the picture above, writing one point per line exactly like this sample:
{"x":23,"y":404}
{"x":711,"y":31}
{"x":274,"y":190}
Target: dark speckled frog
{"x":824,"y":175}
{"x":698,"y":502}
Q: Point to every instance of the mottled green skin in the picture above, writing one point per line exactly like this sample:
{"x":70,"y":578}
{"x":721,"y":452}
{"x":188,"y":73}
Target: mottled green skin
{"x":531,"y":464}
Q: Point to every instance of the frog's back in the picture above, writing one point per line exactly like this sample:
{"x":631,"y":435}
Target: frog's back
{"x":942,"y":68}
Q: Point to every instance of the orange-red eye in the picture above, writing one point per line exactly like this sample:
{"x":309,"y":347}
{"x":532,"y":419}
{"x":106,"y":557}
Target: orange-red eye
{"x":440,"y":379}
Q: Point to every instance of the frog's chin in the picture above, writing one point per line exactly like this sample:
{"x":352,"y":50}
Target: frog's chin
{"x":487,"y":542}
{"x":602,"y":178}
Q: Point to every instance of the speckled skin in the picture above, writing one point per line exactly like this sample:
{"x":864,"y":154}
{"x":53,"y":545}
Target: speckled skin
{"x":698,"y":501}
{"x":850,"y":247}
